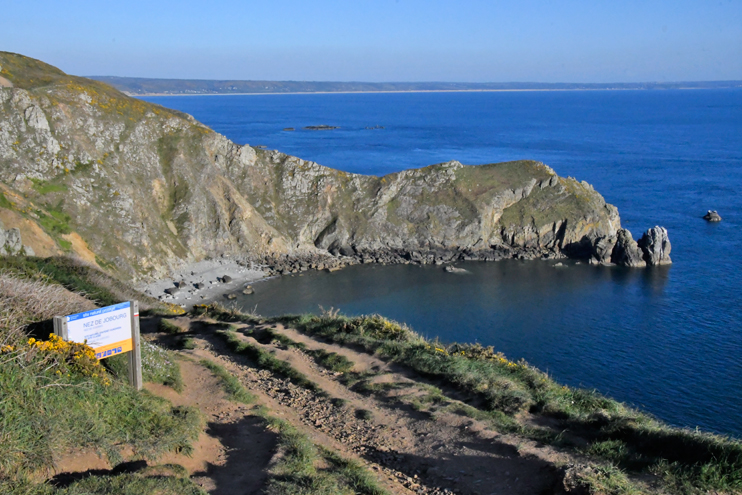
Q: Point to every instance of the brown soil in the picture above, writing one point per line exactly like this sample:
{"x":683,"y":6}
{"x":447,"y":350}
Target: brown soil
{"x":413,"y":438}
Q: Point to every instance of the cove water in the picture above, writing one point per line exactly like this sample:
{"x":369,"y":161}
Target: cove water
{"x":667,"y":339}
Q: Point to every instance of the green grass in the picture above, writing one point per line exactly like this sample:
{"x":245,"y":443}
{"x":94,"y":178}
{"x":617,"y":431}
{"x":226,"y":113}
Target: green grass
{"x":271,"y":335}
{"x":45,"y":414}
{"x":44,"y":187}
{"x":169,"y":327}
{"x":159,"y":365}
{"x":231,"y":385}
{"x":4,"y":202}
{"x":121,"y":484}
{"x":55,"y":222}
{"x":332,"y":361}
{"x":297,"y":471}
{"x":266,"y":361}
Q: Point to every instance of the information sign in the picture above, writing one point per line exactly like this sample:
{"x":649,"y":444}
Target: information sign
{"x":107,"y":330}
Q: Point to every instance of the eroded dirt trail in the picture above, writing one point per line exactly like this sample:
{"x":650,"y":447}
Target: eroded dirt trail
{"x":233,"y":454}
{"x":411,"y":435}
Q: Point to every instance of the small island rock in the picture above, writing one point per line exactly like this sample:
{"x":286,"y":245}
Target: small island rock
{"x":712,"y":216}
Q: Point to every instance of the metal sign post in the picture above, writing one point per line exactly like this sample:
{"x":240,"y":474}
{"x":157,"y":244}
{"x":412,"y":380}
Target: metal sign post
{"x":109,"y":331}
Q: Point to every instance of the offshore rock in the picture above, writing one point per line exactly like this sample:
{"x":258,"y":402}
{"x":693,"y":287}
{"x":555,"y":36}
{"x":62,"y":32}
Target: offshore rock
{"x":712,"y":216}
{"x":626,"y":251}
{"x":655,"y":246}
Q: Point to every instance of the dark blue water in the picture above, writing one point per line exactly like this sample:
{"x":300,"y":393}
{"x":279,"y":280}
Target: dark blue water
{"x":668,"y":340}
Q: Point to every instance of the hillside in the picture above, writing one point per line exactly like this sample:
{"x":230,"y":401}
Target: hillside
{"x":140,"y":190}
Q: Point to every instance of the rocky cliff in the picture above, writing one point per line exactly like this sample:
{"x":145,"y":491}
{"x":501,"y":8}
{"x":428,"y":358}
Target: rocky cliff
{"x":140,"y":190}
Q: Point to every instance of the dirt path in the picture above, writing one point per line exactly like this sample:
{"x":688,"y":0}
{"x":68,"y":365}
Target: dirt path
{"x":233,"y":454}
{"x":387,"y":421}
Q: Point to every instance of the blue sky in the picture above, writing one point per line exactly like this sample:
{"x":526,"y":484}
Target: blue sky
{"x":384,"y":40}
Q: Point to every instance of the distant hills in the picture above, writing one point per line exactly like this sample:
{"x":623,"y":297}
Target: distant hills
{"x":143,"y":86}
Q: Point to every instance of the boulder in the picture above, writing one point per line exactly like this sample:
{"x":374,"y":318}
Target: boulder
{"x":12,"y":244}
{"x":199,"y":285}
{"x":172,"y":290}
{"x":626,"y":251}
{"x":226,"y":279}
{"x":655,"y":245}
{"x":712,"y":216}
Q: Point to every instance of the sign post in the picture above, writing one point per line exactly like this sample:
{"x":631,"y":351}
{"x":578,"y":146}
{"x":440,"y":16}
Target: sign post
{"x":109,"y":331}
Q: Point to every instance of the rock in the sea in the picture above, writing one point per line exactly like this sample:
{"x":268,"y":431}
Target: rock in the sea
{"x":712,"y":216}
{"x":248,"y":290}
{"x":603,"y":250}
{"x":655,"y":246}
{"x":230,"y":296}
{"x":226,"y":279}
{"x":453,"y":269}
{"x":626,"y":251}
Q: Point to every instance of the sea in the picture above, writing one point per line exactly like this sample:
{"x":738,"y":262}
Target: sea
{"x":667,"y":339}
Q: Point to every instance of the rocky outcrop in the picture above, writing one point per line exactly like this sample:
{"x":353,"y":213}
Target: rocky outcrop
{"x":626,"y":251}
{"x":655,"y":246}
{"x":150,"y":189}
{"x":10,"y":242}
{"x":712,"y":216}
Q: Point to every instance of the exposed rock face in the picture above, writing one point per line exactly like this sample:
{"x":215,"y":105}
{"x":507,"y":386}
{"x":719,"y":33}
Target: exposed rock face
{"x":626,"y":251}
{"x":655,"y":246}
{"x":10,"y":242}
{"x":149,"y":189}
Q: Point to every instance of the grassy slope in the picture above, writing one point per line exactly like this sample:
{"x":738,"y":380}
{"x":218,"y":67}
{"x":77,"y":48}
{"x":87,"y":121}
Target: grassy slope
{"x":54,"y":397}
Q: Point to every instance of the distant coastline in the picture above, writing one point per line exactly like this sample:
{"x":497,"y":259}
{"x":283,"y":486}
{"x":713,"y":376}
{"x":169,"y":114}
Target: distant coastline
{"x":133,"y":86}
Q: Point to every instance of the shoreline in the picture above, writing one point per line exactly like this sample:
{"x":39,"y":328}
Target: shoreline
{"x":210,"y":273}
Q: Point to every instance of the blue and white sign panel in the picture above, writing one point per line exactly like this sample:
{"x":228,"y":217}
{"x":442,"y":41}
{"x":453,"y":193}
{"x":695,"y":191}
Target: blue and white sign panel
{"x":107,"y":330}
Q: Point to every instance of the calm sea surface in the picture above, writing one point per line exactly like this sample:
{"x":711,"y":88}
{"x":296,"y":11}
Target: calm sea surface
{"x":668,"y":340}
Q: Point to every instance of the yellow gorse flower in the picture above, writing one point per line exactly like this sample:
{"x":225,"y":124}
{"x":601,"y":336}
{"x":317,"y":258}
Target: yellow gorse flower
{"x":70,"y":356}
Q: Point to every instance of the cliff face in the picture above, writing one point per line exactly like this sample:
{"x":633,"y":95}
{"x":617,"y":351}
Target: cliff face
{"x":143,"y":189}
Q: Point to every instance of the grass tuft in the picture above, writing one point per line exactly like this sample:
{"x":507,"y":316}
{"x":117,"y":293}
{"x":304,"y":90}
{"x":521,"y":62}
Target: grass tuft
{"x":232,"y":385}
{"x":266,"y":361}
